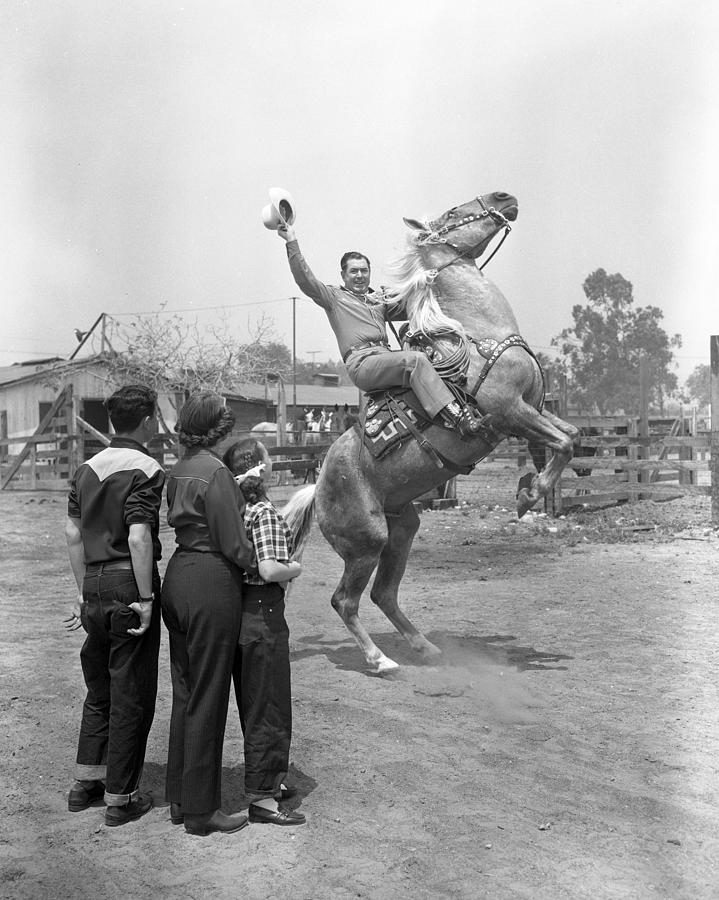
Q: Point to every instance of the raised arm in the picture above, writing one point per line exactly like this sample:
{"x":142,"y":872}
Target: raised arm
{"x":301,"y":272}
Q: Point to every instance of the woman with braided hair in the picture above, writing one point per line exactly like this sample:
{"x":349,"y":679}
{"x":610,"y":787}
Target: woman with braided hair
{"x":202,"y":609}
{"x":262,"y":664}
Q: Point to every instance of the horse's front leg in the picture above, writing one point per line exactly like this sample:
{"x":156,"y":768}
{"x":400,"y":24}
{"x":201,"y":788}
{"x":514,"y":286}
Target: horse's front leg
{"x":390,"y":570}
{"x":557,"y":435}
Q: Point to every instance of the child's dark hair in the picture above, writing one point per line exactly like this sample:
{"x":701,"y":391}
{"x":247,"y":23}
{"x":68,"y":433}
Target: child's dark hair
{"x":129,"y":405}
{"x":239,"y":458}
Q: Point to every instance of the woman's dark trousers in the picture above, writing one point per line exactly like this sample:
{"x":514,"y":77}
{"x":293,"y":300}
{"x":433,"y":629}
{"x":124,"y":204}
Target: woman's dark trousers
{"x":202,"y":609}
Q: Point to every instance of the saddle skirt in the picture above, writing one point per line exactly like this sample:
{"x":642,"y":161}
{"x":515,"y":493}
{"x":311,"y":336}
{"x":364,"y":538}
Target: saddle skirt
{"x":384,"y":429}
{"x":396,"y":416}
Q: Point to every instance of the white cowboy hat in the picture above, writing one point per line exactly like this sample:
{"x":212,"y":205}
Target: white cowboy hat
{"x":281,"y":209}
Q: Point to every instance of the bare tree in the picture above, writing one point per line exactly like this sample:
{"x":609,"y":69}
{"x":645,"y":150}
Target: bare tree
{"x":172,"y":354}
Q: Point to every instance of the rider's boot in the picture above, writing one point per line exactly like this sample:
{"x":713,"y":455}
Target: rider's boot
{"x":463,"y":418}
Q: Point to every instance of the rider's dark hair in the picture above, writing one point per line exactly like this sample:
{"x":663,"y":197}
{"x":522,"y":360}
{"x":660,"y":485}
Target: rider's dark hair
{"x":129,"y":405}
{"x":353,"y":254}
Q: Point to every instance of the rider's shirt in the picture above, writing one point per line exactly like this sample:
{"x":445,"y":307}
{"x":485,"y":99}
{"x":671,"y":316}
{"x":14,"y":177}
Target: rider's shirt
{"x":354,"y":320}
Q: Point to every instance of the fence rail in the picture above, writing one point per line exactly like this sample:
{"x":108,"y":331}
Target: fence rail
{"x":623,"y":468}
{"x":46,"y":461}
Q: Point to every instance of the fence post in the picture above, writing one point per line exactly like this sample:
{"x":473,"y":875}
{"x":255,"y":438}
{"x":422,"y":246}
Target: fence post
{"x":714,"y":388}
{"x":686,"y":476}
{"x":644,"y":474}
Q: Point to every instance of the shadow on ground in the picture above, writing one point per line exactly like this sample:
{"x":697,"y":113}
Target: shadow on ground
{"x":457,"y":650}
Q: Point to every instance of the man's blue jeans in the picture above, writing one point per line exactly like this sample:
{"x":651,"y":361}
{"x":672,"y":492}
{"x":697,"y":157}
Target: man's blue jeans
{"x":120,"y":673}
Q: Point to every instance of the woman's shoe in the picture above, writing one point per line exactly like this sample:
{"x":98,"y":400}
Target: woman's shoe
{"x":176,"y":815}
{"x":216,"y":821}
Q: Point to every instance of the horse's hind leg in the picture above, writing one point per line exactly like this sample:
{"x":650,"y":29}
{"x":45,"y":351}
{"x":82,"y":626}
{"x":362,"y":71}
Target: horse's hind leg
{"x":346,"y":600}
{"x":390,"y":570}
{"x":359,"y":540}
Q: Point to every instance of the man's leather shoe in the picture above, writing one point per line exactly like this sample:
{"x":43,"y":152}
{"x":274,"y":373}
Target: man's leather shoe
{"x":81,"y":796}
{"x":259,"y":814}
{"x":121,"y":815}
{"x":216,"y":821}
{"x":176,"y":815}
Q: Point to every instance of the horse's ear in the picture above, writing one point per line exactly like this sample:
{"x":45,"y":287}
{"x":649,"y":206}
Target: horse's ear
{"x":414,"y":224}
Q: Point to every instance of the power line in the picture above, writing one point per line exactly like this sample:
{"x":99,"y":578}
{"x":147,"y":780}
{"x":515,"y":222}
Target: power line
{"x":201,"y":308}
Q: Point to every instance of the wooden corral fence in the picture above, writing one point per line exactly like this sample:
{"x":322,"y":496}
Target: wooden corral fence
{"x":48,"y":456}
{"x":627,"y":468}
{"x":615,"y":468}
{"x":291,"y":460}
{"x":47,"y":459}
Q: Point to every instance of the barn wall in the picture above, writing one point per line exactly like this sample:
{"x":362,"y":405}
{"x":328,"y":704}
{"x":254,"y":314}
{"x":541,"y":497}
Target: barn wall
{"x":22,"y":399}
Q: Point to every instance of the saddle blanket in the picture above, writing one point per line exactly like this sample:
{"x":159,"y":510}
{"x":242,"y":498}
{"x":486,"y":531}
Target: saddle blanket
{"x":383,"y":429}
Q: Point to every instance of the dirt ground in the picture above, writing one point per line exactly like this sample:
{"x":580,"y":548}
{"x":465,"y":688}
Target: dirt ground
{"x":567,"y":745}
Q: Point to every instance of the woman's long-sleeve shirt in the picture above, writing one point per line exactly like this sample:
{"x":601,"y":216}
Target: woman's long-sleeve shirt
{"x":205,"y":507}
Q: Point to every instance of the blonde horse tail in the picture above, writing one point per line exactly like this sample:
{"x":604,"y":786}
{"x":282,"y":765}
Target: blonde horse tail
{"x":299,"y":513}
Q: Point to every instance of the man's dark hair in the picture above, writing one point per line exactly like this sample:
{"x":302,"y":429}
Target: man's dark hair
{"x":353,"y":254}
{"x":129,"y":405}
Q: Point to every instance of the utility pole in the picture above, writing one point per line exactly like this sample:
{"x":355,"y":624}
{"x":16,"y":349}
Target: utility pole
{"x":714,"y":391}
{"x":294,"y":356}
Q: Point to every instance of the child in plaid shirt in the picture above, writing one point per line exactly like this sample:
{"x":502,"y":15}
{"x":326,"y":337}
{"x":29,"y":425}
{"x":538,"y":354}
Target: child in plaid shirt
{"x":262,"y":666}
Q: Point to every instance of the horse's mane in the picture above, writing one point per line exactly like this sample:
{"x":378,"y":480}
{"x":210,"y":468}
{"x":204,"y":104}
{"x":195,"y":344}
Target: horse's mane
{"x":412,"y":285}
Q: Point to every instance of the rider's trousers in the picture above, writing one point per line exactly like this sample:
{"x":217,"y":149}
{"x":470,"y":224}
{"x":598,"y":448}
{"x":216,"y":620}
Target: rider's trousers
{"x":378,"y":369}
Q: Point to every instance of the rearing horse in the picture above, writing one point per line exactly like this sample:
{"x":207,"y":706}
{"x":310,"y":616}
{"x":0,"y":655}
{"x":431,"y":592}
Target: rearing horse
{"x":363,"y":505}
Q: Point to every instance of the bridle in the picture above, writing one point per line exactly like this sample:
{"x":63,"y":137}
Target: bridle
{"x":438,"y":236}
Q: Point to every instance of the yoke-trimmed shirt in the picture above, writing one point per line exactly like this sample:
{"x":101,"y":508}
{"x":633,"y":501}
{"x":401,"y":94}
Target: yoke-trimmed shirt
{"x":270,"y":535}
{"x":354,"y":320}
{"x":117,"y":487}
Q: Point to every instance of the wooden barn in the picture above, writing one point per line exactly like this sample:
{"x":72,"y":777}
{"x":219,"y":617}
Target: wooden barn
{"x":52,"y":415}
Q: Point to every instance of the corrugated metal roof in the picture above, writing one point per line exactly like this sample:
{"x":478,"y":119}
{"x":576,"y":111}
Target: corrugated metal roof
{"x":28,"y":371}
{"x":312,"y":395}
{"x":307,"y":394}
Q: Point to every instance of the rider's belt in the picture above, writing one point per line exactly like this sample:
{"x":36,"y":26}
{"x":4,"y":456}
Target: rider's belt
{"x":356,"y":347}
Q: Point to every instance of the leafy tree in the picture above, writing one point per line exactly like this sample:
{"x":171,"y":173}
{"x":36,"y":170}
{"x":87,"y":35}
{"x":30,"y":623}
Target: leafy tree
{"x":604,"y":346}
{"x":698,"y":385}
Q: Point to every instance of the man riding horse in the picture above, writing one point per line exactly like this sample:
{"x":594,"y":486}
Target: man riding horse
{"x":358,"y":314}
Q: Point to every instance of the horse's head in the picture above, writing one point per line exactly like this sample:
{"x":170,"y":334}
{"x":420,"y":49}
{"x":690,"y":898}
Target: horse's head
{"x":468,"y":228}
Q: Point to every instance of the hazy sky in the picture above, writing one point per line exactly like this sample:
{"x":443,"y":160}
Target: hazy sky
{"x":140,"y":139}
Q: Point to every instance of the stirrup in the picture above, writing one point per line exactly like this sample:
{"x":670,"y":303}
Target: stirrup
{"x":462,"y":418}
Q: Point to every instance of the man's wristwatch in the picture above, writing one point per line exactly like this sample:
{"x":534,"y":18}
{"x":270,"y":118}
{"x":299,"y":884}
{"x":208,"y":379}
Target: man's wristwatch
{"x":146,"y":599}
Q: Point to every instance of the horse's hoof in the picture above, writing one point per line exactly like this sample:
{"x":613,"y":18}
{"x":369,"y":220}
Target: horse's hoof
{"x":524,"y":504}
{"x":429,"y":652}
{"x":384,"y":666}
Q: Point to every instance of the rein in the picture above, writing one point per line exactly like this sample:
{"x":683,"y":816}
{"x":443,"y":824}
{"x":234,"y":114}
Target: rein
{"x":437,"y":237}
